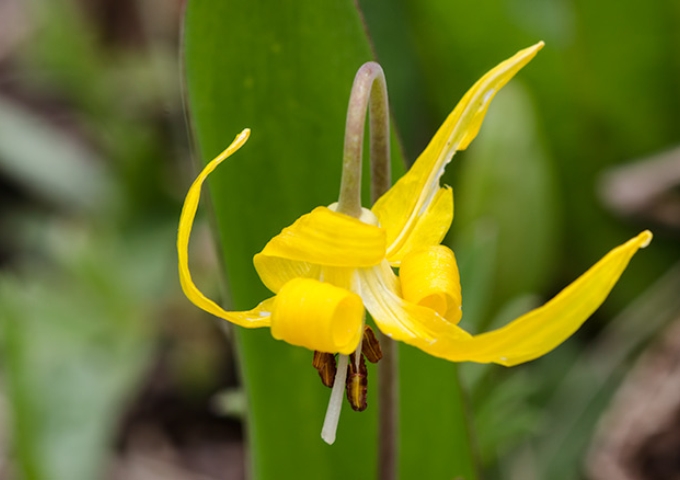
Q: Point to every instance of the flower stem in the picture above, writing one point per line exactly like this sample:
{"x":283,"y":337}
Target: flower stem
{"x":388,"y":410}
{"x":369,"y":92}
{"x":388,"y":405}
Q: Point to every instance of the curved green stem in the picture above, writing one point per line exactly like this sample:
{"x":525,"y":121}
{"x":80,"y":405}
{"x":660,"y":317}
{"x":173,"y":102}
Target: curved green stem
{"x":369,"y":92}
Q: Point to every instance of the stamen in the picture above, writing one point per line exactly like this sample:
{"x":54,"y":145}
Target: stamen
{"x":357,"y":383}
{"x":330,"y":423}
{"x":370,"y":346}
{"x":325,"y":365}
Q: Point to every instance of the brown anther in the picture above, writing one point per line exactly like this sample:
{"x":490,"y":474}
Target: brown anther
{"x":326,"y":366}
{"x":370,"y":346}
{"x":356,"y":384}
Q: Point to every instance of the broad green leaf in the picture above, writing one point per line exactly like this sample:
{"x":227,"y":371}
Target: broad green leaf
{"x":289,"y":83}
{"x":286,"y":73}
{"x":477,"y":252}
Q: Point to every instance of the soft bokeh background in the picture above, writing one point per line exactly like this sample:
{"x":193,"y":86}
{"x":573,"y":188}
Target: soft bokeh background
{"x":106,"y":371}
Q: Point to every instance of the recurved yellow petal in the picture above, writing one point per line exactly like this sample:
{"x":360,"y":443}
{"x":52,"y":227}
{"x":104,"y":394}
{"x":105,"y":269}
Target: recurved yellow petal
{"x":400,"y":208}
{"x":318,"y":316}
{"x":429,"y":278}
{"x":259,"y":316}
{"x":275,"y":272}
{"x":541,"y":330}
{"x":320,"y":238}
{"x":400,"y":319}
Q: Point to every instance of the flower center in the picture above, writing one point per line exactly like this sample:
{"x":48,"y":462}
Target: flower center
{"x":366,"y":216}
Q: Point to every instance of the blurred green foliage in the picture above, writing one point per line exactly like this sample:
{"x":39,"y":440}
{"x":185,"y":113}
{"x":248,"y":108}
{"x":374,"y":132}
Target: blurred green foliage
{"x":74,"y":342}
{"x":88,"y":229}
{"x":93,"y":163}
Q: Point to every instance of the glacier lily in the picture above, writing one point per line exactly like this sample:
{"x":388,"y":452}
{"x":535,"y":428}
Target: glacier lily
{"x":327,"y":268}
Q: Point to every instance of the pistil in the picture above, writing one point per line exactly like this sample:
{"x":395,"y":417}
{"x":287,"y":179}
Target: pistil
{"x":330,"y":423}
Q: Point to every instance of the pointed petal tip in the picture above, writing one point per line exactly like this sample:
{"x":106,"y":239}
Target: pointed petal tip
{"x":531,"y":51}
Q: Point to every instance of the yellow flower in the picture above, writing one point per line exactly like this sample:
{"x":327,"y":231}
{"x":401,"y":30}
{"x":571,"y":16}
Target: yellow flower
{"x":328,"y":267}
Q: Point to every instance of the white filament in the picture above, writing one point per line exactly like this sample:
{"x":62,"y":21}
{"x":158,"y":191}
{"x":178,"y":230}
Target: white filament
{"x":330,"y":423}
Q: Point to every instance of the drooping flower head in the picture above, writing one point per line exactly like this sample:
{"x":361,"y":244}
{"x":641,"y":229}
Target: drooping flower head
{"x":327,"y":268}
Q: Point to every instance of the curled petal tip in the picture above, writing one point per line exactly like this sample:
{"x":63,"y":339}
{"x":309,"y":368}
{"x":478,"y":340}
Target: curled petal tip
{"x":241,"y":138}
{"x":645,"y":238}
{"x":259,"y":316}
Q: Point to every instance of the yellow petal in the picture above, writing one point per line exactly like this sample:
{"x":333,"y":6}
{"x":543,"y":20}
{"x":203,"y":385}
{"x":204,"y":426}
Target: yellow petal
{"x":259,"y":316}
{"x":541,"y":330}
{"x":397,"y":318}
{"x":275,"y":272}
{"x":412,"y":196}
{"x":322,"y":237}
{"x":428,"y":229}
{"x":429,"y":278}
{"x":318,"y":316}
